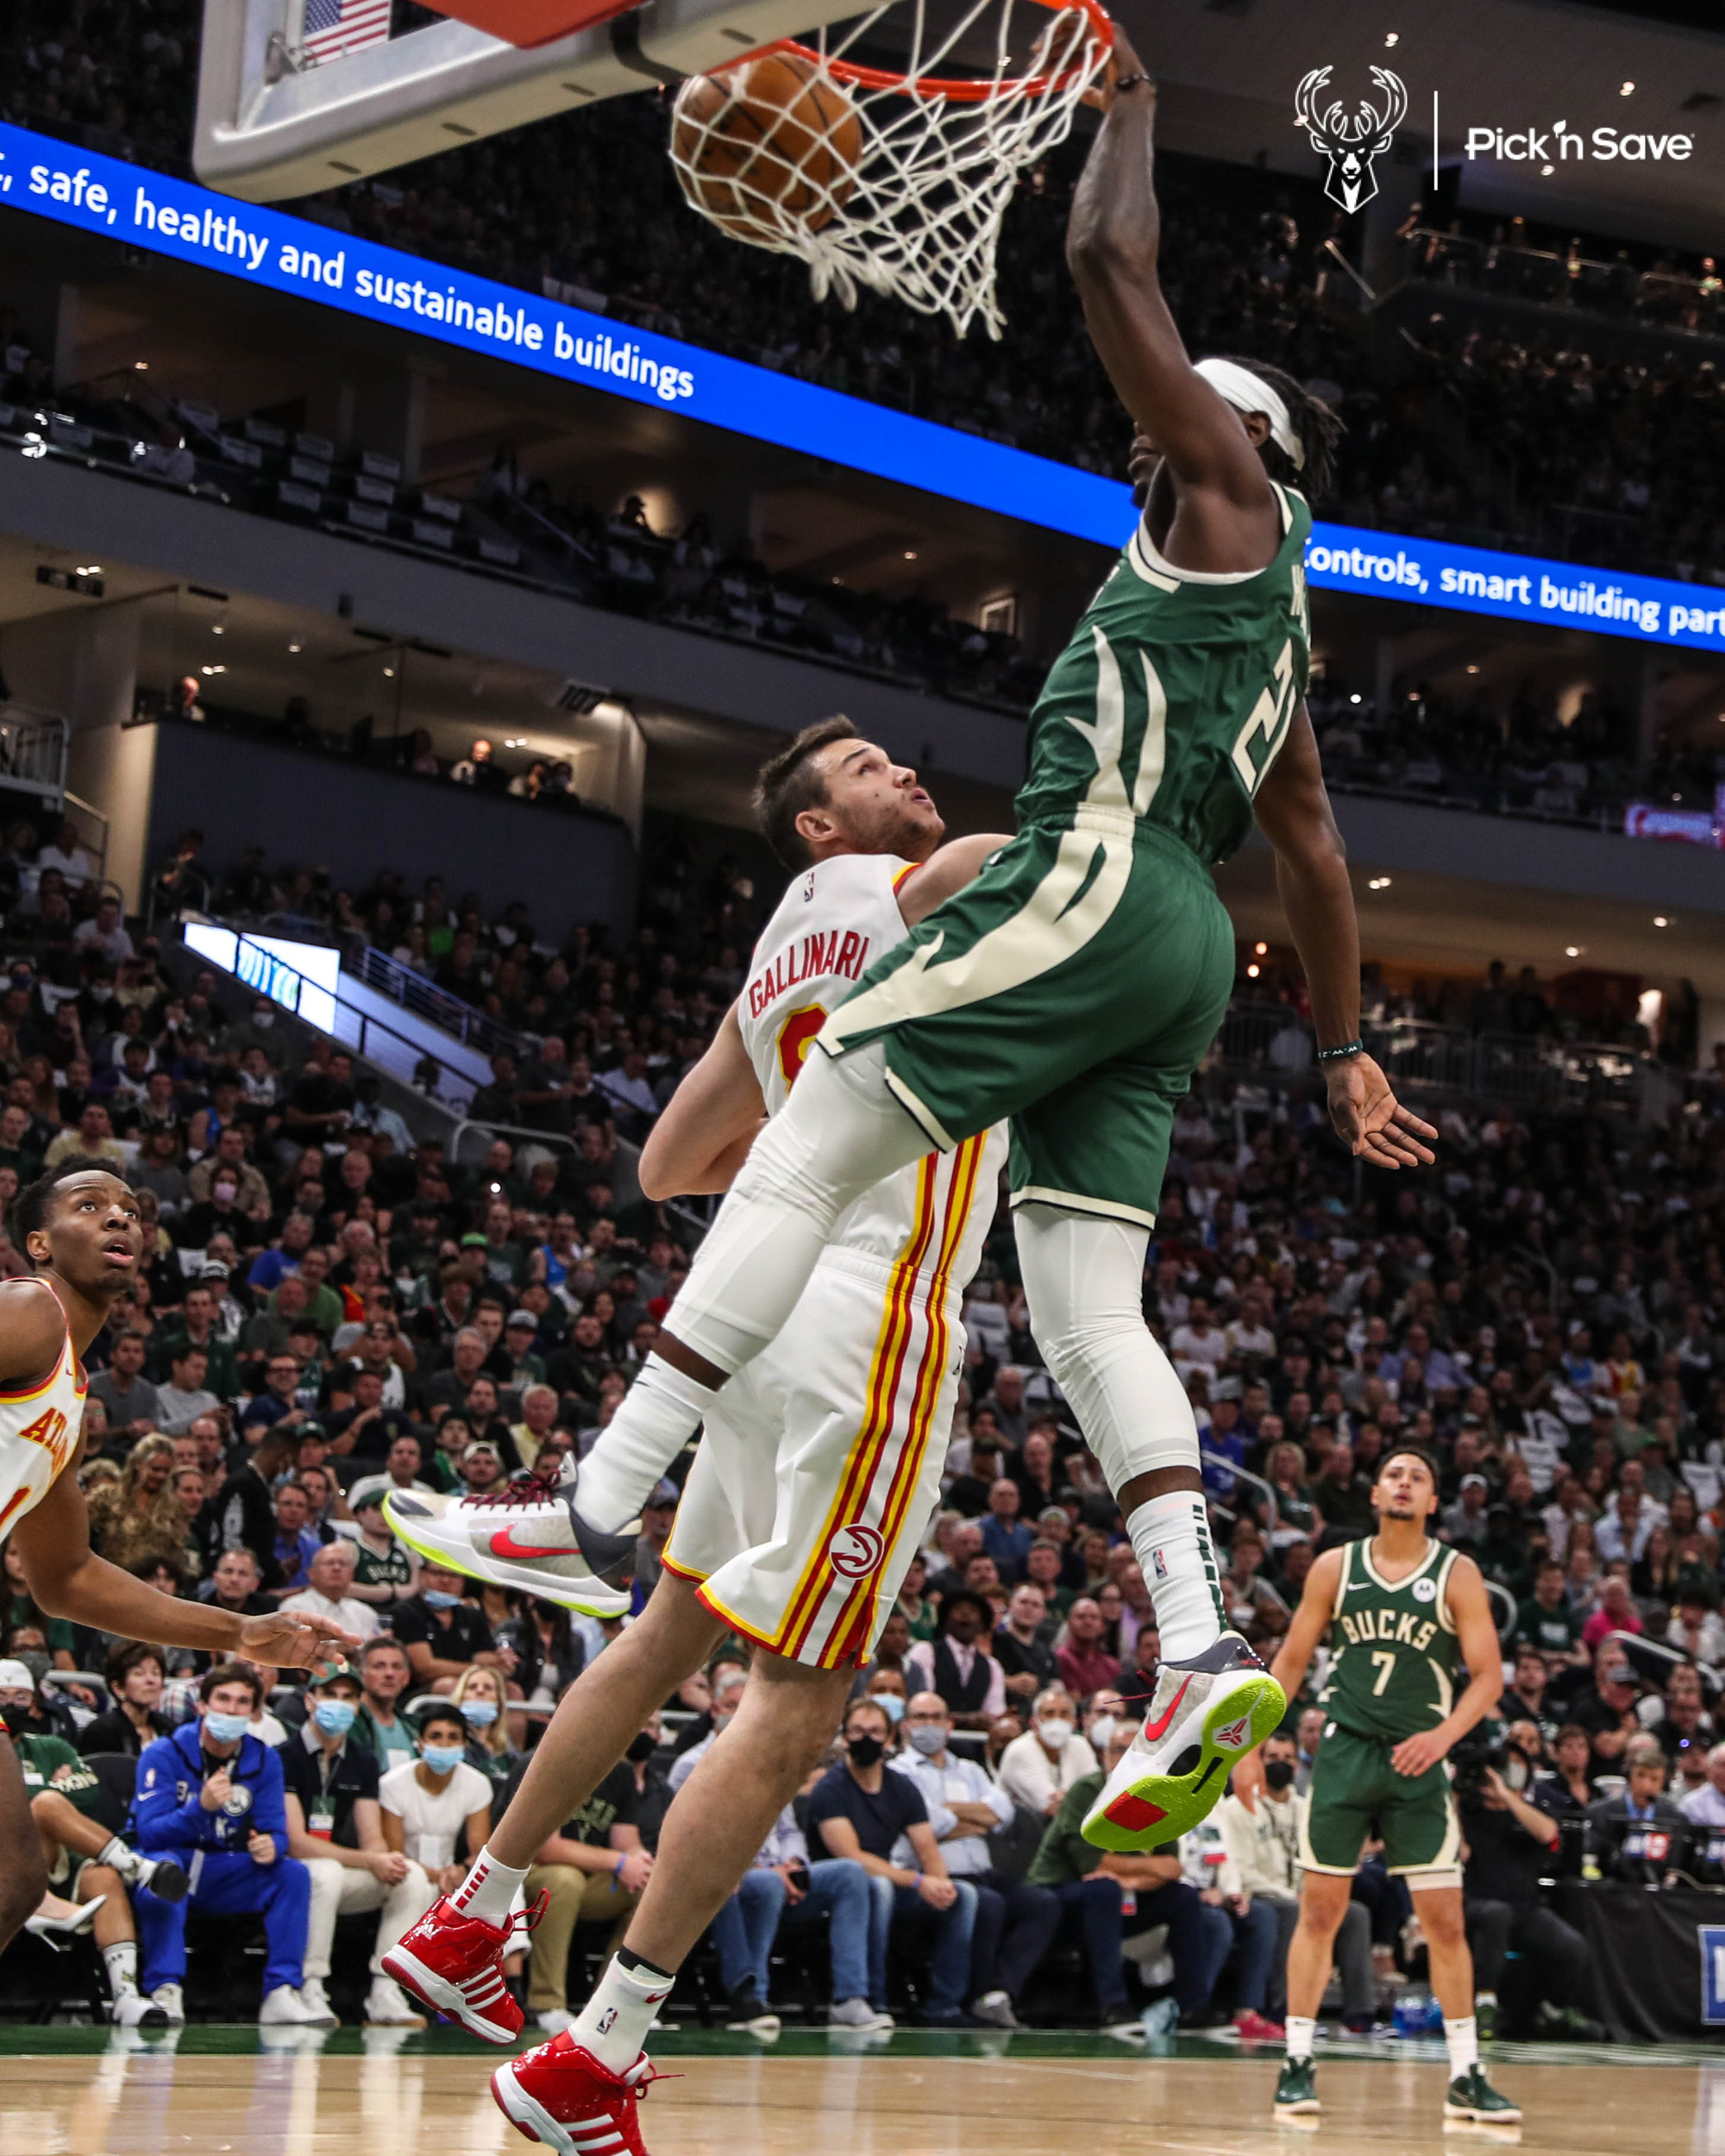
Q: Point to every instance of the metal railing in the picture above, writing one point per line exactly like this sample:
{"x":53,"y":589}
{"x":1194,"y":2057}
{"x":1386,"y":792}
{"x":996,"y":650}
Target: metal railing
{"x":1270,"y":1040}
{"x":32,"y":750}
{"x":425,"y":999}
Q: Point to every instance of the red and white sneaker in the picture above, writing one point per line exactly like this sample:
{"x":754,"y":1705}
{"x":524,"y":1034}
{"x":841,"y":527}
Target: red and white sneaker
{"x":527,"y":1535}
{"x":453,"y":1964}
{"x":561,"y":2096}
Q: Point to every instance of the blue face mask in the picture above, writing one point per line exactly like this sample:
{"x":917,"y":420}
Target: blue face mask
{"x":437,"y":1600}
{"x":441,"y":1757}
{"x":479,"y":1713}
{"x":225,"y":1729}
{"x":334,"y":1717}
{"x":894,"y":1706}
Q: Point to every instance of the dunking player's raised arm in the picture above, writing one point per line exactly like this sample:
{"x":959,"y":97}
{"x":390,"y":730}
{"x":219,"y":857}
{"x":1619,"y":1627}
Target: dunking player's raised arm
{"x":705,"y":1133}
{"x":1292,"y":805}
{"x":1112,"y":239}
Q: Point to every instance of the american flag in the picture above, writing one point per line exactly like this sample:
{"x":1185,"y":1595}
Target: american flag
{"x":333,"y":28}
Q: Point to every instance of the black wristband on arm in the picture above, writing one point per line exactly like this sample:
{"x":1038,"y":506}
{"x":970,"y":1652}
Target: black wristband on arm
{"x":1340,"y":1055}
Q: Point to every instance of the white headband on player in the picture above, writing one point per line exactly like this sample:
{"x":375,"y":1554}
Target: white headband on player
{"x":1247,"y":391}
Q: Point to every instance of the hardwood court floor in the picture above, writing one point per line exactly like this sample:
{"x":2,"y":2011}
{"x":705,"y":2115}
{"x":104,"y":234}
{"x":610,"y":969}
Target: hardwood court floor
{"x":422,"y":2102}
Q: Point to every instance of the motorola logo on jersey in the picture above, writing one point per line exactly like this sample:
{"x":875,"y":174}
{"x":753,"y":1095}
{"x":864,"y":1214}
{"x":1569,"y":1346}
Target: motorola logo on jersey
{"x":855,"y":1551}
{"x":1350,"y":141}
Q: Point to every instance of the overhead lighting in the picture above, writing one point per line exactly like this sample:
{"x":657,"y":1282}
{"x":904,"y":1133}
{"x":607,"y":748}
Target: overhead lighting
{"x":1251,"y":973}
{"x":389,"y":674}
{"x":1261,"y":951}
{"x":1473,"y":669}
{"x":1546,"y":171}
{"x":1378,"y":883}
{"x":910,"y":554}
{"x":1627,"y":91}
{"x":295,"y":647}
{"x":1571,"y":951}
{"x":217,"y":629}
{"x":214,"y":669}
{"x":1355,"y":699}
{"x":141,"y":366}
{"x":1661,"y":921}
{"x":91,"y":568}
{"x":1391,"y":38}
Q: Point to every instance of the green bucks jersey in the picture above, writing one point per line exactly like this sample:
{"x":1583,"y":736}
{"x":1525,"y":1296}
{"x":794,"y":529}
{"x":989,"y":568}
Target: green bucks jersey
{"x":1394,"y":1649}
{"x":1175,"y":693}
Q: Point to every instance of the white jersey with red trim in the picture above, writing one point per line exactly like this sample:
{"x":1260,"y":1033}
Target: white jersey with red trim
{"x":832,"y":924}
{"x":39,"y":1433}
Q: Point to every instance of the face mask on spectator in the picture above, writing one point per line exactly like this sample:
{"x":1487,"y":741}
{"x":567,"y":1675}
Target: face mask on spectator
{"x":225,"y":1729}
{"x":35,"y":1659}
{"x":866,"y":1752}
{"x":334,"y":1717}
{"x":642,"y":1746}
{"x":1056,"y":1732}
{"x":928,"y":1738}
{"x":890,"y":1704}
{"x":1101,"y":1731}
{"x":435,"y":1599}
{"x":1278,"y":1773}
{"x":480,"y":1714}
{"x":1517,"y":1771}
{"x":441,"y":1758}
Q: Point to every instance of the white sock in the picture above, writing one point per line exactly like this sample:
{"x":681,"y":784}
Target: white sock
{"x":1463,"y":2039}
{"x":122,"y":1960}
{"x":614,"y":2022}
{"x":654,"y":1421}
{"x":119,"y":1858}
{"x":488,"y":1888}
{"x":1170,"y":1538}
{"x":1301,"y":2036}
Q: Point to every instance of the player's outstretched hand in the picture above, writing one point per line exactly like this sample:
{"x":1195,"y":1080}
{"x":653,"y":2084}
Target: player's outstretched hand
{"x":292,"y":1639}
{"x":1370,"y":1121}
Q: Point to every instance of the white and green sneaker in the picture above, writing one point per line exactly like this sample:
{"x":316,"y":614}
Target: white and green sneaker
{"x":1472,"y":2097}
{"x":1297,"y":2091}
{"x":1204,"y":1715}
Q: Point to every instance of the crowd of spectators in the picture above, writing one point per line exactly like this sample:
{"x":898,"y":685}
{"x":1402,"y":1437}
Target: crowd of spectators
{"x":1522,"y":435}
{"x":331,"y":1307}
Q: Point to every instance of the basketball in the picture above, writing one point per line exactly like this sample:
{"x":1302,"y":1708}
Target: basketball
{"x":771,"y":132}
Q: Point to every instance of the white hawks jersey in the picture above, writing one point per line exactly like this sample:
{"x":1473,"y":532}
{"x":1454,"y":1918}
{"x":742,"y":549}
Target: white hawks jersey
{"x":39,"y":1433}
{"x":832,"y":924}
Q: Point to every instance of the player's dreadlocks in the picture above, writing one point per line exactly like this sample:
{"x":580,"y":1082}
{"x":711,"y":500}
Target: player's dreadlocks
{"x":1319,"y":428}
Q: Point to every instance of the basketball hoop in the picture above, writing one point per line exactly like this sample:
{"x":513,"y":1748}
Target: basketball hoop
{"x":892,"y":180}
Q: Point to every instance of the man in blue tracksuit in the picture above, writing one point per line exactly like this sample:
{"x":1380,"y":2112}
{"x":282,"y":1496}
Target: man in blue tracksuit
{"x":211,"y":1796}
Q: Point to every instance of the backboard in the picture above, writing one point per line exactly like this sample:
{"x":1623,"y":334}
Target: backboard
{"x":274,"y":121}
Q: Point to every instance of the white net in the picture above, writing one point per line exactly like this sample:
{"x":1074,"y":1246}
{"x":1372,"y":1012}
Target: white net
{"x":894,"y":179}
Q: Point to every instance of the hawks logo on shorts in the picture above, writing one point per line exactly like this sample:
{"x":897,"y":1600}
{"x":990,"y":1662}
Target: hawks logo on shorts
{"x":855,"y":1551}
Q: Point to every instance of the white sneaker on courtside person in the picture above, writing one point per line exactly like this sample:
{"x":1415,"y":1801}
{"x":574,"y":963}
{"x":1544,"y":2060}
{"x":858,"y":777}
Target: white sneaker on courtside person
{"x":527,"y":1535}
{"x":1203,"y":1714}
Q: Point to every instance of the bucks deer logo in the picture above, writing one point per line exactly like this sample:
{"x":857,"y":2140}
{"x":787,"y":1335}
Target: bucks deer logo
{"x":1350,"y":141}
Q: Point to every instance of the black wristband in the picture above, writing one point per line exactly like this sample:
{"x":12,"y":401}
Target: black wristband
{"x":1340,"y":1055}
{"x":1132,"y":82}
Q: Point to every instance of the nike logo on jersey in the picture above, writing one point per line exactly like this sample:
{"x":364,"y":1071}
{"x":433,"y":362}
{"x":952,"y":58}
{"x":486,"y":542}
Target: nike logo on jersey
{"x":503,"y":1544}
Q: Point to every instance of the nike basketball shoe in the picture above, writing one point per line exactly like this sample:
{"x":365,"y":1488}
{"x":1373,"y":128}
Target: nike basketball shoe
{"x":1203,"y":1715}
{"x":527,"y":1535}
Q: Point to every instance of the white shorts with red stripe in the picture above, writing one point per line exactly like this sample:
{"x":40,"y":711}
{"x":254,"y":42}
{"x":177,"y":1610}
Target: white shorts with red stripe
{"x":815,"y":1481}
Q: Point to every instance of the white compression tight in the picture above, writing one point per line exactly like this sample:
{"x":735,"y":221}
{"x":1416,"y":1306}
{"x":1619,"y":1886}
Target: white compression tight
{"x":841,"y":1132}
{"x":1083,"y":1279}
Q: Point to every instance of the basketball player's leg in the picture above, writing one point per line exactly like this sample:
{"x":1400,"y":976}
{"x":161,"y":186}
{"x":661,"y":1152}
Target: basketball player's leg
{"x":1422,"y":1844}
{"x":715,"y":1828}
{"x":596,"y":1720}
{"x":24,"y":1875}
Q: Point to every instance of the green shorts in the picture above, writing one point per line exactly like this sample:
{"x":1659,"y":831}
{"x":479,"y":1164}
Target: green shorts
{"x":1355,"y":1795}
{"x":1074,"y":987}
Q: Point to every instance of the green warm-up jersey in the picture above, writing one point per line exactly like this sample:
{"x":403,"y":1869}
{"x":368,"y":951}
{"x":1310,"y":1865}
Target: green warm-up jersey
{"x":1394,"y":1653}
{"x":1175,"y":692}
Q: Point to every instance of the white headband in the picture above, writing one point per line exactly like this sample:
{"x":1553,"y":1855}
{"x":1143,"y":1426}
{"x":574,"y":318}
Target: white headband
{"x":1247,"y":391}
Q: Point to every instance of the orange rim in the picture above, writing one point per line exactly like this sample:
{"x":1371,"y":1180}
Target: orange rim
{"x":955,"y":90}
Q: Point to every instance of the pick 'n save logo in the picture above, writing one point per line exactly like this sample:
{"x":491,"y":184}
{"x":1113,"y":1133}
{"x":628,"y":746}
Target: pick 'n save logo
{"x":1350,"y":141}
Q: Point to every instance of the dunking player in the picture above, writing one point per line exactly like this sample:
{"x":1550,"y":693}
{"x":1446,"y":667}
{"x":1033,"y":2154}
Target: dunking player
{"x":1403,"y":1613}
{"x":810,"y":1492}
{"x":80,"y":1228}
{"x":1075,"y":986}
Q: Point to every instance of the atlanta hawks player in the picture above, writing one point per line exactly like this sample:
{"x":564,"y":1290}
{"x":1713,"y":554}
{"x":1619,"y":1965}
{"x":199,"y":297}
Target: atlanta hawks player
{"x":809,"y":1494}
{"x":80,"y":1228}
